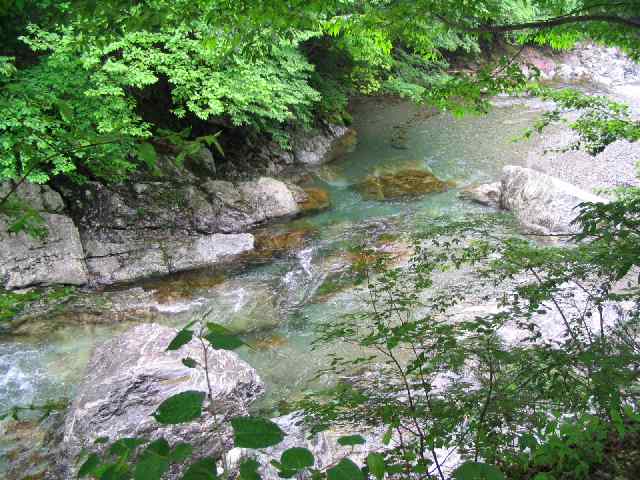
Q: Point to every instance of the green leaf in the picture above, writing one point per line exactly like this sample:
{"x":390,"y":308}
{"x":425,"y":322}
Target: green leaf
{"x":101,"y":440}
{"x":375,"y":462}
{"x":182,"y":338}
{"x":544,"y":476}
{"x":477,"y":471}
{"x":256,"y":432}
{"x":154,"y":461}
{"x":181,"y":408}
{"x":125,"y":446}
{"x":388,"y":435}
{"x":204,"y":469}
{"x":249,"y":470}
{"x":297,"y":459}
{"x":351,"y":440}
{"x":181,"y":452}
{"x":222,"y":338}
{"x":66,"y":112}
{"x":189,"y":362}
{"x":89,"y":466}
{"x":147,"y":154}
{"x":345,"y":470}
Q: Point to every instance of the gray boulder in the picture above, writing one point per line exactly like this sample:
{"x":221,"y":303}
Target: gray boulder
{"x":131,"y":375}
{"x":127,"y":257}
{"x":542,"y":203}
{"x":487,"y":194}
{"x":57,"y":258}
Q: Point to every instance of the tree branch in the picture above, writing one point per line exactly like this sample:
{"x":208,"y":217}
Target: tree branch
{"x":555,"y":22}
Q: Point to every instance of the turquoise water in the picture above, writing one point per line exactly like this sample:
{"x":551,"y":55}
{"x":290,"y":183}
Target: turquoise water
{"x":277,"y":303}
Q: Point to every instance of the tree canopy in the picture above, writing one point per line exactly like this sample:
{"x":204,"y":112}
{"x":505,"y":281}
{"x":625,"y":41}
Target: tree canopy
{"x":83,"y":83}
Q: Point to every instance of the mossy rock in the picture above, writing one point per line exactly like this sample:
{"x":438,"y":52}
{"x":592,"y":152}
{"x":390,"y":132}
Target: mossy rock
{"x":402,"y":184}
{"x":269,"y":243}
{"x":269,"y":342}
{"x":183,"y":286}
{"x":317,"y":200}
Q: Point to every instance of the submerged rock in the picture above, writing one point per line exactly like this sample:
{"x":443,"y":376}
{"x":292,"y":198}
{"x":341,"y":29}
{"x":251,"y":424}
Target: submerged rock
{"x":404,"y":183}
{"x":131,"y":375}
{"x":311,"y":200}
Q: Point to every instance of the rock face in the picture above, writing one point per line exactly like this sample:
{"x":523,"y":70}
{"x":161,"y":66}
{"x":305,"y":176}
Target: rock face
{"x":58,"y":258}
{"x":323,"y":147}
{"x":542,"y":203}
{"x":587,"y":62}
{"x":131,"y":258}
{"x":157,"y":228}
{"x":405,"y":183}
{"x":131,"y":375}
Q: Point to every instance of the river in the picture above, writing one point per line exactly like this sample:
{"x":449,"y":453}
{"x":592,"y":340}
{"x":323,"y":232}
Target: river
{"x":278,"y":303}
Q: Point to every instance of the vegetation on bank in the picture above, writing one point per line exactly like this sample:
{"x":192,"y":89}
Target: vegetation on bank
{"x":88,"y":90}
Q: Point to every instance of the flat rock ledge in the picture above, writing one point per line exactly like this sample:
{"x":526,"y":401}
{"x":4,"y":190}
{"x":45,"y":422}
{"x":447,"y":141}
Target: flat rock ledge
{"x":131,"y":375}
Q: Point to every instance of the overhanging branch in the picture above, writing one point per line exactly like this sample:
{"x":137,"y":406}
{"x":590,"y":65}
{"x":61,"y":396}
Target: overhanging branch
{"x":556,"y":22}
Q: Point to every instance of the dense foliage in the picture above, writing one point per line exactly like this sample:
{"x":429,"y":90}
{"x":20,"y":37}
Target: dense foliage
{"x":84,"y":83}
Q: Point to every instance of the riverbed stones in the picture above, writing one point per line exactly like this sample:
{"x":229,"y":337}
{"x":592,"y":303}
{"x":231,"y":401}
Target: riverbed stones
{"x":131,"y":375}
{"x":401,"y":184}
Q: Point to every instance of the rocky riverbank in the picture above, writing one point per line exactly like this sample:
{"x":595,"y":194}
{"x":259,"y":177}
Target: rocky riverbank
{"x":175,"y":220}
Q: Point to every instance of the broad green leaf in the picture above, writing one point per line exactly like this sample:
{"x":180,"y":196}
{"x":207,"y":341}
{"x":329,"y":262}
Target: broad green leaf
{"x":388,"y":435}
{"x":89,"y":466}
{"x":125,"y":446}
{"x":297,"y":459}
{"x":375,"y":462}
{"x":249,"y":470}
{"x":182,"y":338}
{"x":222,"y":338}
{"x":181,"y":408}
{"x":255,"y":432}
{"x":477,"y":471}
{"x":351,"y":440}
{"x":345,"y":470}
{"x":154,"y":461}
{"x":204,"y":469}
{"x":181,"y":452}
